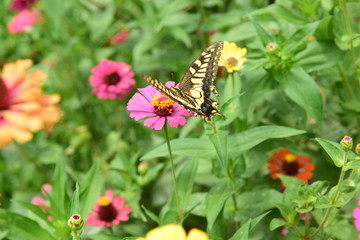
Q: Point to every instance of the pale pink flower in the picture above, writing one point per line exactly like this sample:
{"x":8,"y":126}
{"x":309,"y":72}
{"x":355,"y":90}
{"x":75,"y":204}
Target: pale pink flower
{"x":42,"y":202}
{"x":120,"y":37}
{"x":112,"y":79}
{"x":156,"y":108}
{"x":356,"y":214}
{"x":22,"y":4}
{"x":23,"y":21}
{"x":109,"y":210}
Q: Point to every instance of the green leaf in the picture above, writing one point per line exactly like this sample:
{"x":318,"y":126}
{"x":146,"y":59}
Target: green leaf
{"x":254,"y":202}
{"x":265,"y":37}
{"x":243,"y":141}
{"x":58,"y":193}
{"x":178,"y":19}
{"x":334,"y":150}
{"x":319,"y":55}
{"x":242,"y":233}
{"x":324,"y":30}
{"x":90,"y":188}
{"x":74,"y":209}
{"x":237,"y":143}
{"x":218,"y":230}
{"x":215,"y":201}
{"x":54,"y":10}
{"x":21,"y":227}
{"x":180,"y":34}
{"x":355,"y":164}
{"x":184,"y":183}
{"x":302,"y":89}
{"x":219,"y":140}
{"x":218,"y":21}
{"x":298,"y":40}
{"x":151,"y":215}
{"x":276,"y":223}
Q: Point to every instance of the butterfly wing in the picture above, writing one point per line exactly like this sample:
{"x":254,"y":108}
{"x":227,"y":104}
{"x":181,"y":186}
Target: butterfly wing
{"x":197,"y":84}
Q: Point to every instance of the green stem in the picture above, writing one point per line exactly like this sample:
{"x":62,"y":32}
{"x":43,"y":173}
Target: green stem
{"x":345,"y":81}
{"x":333,"y":201}
{"x":172,"y":170}
{"x":75,"y":235}
{"x":351,"y":36}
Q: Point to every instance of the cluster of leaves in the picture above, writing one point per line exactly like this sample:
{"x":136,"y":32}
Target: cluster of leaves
{"x":306,"y":86}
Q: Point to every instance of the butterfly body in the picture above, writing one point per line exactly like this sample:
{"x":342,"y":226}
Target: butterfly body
{"x":195,"y":87}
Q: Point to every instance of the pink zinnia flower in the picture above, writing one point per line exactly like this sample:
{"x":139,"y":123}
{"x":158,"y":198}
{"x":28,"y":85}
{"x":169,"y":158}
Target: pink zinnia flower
{"x":112,"y":79}
{"x":109,"y":210}
{"x":120,"y":37}
{"x":22,"y":4}
{"x":157,"y":108}
{"x":23,"y":21}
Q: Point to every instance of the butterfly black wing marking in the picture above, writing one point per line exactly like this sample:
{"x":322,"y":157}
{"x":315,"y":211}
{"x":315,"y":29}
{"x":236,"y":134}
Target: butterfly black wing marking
{"x":197,"y":84}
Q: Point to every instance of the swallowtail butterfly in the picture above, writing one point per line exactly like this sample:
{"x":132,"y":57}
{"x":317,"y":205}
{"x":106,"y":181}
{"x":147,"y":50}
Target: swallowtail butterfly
{"x":193,"y":92}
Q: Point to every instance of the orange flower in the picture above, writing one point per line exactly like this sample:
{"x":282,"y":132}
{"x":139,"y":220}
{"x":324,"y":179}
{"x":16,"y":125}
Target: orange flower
{"x":286,"y":163}
{"x":23,"y":107}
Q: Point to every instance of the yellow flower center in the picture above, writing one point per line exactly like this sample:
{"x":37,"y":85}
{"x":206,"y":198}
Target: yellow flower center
{"x":104,"y":201}
{"x":232,"y":61}
{"x":290,"y":158}
{"x":163,"y":106}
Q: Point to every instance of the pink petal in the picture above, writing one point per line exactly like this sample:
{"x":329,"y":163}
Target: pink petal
{"x":139,"y":103}
{"x":173,"y":122}
{"x":119,"y":202}
{"x":155,"y":123}
{"x":357,"y":224}
{"x":182,"y":111}
{"x":109,"y":194}
{"x":356,"y":213}
{"x":149,"y":92}
{"x":38,"y":201}
{"x":140,"y":115}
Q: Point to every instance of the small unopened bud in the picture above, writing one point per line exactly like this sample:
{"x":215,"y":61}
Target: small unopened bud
{"x":272,"y":47}
{"x":346,"y":143}
{"x":357,"y":148}
{"x":75,"y":222}
{"x":143,"y":168}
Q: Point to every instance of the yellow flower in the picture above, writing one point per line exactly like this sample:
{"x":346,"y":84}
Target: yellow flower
{"x":174,"y":232}
{"x":23,"y":107}
{"x":232,"y":57}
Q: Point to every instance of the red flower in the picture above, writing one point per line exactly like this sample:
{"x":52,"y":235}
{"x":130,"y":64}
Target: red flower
{"x":286,"y":163}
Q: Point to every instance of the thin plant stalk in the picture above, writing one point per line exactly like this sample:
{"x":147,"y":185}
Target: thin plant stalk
{"x":332,"y":201}
{"x":173,"y":171}
{"x":351,"y":36}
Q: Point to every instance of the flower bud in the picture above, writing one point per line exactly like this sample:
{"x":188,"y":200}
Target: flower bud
{"x":272,"y":47}
{"x":143,"y":168}
{"x":357,"y":148}
{"x":75,"y":222}
{"x":346,"y":143}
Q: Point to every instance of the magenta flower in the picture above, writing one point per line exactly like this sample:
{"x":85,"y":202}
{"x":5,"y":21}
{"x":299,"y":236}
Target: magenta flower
{"x":109,"y":210}
{"x":112,"y":79}
{"x":22,"y":4}
{"x":120,"y":37}
{"x":23,"y":21}
{"x":157,"y":108}
{"x":356,"y":214}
